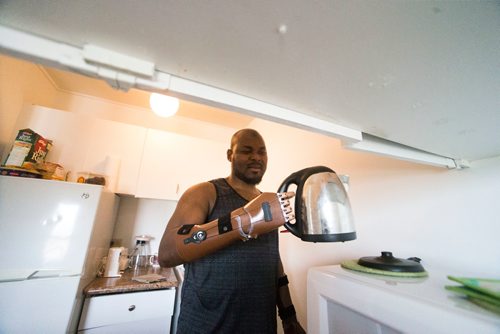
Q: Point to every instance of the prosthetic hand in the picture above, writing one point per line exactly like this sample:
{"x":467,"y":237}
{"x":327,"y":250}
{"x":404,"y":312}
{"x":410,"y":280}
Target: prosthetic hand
{"x":265,"y":213}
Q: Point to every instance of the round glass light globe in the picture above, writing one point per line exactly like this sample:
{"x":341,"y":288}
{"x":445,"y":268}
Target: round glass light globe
{"x":163,"y":105}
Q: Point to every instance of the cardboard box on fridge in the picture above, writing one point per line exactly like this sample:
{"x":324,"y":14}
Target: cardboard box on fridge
{"x":51,"y":171}
{"x":29,"y":148}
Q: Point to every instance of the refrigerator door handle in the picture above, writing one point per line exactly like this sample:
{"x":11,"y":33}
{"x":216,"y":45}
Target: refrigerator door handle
{"x":37,"y":274}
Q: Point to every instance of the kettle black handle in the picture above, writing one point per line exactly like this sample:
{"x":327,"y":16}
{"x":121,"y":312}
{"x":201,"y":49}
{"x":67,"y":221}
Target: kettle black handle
{"x":291,"y":179}
{"x":299,"y":178}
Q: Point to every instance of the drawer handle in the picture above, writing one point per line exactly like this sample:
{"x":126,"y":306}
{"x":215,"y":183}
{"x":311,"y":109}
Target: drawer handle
{"x":131,"y":308}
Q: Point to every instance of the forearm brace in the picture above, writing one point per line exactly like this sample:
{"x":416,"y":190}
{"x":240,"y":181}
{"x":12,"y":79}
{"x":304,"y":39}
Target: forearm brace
{"x":265,"y":213}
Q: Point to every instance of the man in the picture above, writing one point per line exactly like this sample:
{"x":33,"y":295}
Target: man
{"x":225,"y":232}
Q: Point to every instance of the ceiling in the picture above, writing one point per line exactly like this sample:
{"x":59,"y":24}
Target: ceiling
{"x":76,"y":83}
{"x":421,"y":73}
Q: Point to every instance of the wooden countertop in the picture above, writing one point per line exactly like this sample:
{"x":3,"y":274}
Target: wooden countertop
{"x":111,"y":285}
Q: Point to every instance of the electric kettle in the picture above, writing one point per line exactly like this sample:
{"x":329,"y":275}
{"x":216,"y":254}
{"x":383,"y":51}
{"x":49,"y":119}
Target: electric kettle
{"x":322,"y":209}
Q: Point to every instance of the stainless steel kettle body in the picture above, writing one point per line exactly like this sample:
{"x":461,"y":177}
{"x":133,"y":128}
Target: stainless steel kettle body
{"x":322,"y":209}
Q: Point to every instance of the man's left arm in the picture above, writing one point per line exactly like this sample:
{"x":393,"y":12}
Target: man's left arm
{"x":286,"y":310}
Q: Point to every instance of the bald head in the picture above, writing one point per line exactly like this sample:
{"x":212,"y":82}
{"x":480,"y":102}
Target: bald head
{"x":247,"y":133}
{"x":248,"y":156}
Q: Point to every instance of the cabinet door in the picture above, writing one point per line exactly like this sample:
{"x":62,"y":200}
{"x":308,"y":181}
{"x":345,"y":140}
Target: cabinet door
{"x":171,"y":163}
{"x":122,"y":313}
{"x":115,"y":149}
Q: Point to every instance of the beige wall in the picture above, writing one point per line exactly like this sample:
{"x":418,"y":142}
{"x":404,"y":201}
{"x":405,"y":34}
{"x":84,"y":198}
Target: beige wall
{"x":20,"y":82}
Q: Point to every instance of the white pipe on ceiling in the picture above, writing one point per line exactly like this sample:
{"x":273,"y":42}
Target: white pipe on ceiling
{"x":124,"y":72}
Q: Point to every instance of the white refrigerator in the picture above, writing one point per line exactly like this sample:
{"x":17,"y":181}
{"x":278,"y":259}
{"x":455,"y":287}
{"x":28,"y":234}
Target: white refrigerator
{"x":53,"y":235}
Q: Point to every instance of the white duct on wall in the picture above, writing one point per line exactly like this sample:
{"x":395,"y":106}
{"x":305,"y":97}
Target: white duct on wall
{"x":391,"y":149}
{"x":63,"y":56}
{"x":124,"y":72}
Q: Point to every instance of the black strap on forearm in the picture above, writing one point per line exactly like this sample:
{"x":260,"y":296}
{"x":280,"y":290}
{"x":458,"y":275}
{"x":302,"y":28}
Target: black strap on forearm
{"x":224,"y":224}
{"x":287,"y":312}
{"x":282,"y":281}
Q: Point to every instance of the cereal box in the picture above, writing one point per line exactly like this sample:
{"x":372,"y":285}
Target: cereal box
{"x":29,"y":148}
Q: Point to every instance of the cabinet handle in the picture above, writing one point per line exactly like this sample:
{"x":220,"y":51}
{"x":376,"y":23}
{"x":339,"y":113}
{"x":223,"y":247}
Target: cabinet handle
{"x":177,"y":190}
{"x":131,"y":308}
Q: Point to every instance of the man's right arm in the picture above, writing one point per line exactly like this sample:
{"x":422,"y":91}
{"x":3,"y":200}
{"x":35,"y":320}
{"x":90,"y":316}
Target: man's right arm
{"x":192,"y":208}
{"x":187,"y":238}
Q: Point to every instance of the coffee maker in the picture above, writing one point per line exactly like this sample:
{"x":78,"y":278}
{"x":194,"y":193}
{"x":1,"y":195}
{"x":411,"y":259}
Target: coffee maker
{"x":141,"y":253}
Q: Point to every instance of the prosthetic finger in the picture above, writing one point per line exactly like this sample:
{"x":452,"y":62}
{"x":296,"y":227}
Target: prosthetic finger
{"x":265,"y":213}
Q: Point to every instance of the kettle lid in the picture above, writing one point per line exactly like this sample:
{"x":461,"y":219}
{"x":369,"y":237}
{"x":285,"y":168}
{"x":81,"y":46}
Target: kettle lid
{"x":388,"y":262}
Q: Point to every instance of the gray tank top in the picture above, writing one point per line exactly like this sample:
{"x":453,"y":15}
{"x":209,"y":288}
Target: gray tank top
{"x":232,"y":290}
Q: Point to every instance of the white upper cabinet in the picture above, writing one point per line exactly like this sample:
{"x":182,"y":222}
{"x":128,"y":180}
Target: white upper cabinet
{"x":171,"y":163}
{"x":136,"y":160}
{"x":68,"y":132}
{"x":114,"y":149}
{"x":89,"y":144}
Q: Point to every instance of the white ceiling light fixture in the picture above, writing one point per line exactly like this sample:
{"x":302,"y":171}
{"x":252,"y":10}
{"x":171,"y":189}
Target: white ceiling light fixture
{"x":163,"y":105}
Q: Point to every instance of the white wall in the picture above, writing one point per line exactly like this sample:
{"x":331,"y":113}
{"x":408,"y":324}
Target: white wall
{"x":448,"y":218}
{"x":139,"y":216}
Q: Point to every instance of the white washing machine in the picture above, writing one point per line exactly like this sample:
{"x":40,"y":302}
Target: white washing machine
{"x":345,"y":301}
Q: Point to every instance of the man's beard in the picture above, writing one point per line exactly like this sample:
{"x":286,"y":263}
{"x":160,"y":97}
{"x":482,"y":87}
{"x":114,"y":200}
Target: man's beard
{"x":250,"y":180}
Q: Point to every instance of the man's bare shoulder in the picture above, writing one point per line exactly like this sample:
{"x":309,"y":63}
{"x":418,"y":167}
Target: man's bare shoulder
{"x":194,"y":205}
{"x":204,"y":191}
{"x":202,"y":188}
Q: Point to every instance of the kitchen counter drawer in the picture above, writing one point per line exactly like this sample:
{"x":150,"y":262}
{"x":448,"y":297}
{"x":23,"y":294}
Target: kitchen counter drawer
{"x":111,"y":312}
